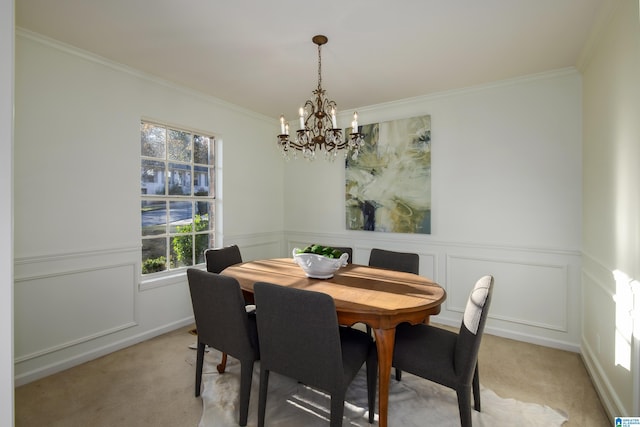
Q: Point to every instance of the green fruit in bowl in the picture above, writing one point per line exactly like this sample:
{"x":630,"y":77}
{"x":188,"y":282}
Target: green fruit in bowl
{"x":326,"y":251}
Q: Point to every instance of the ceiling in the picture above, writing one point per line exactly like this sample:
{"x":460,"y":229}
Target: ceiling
{"x":259,"y":54}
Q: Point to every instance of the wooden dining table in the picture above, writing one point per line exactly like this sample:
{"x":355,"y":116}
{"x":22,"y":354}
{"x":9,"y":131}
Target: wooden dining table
{"x":377,"y":297}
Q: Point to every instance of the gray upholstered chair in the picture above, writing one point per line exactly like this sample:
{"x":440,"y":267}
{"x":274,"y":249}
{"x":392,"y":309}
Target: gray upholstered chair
{"x":224,"y":324}
{"x":398,"y":261}
{"x":301,"y":339}
{"x":446,"y":357}
{"x":218,"y":259}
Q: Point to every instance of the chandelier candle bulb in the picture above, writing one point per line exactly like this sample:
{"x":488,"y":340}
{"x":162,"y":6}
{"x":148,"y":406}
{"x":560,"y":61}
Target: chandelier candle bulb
{"x":334,"y":122}
{"x":355,"y":122}
{"x":301,"y":111}
{"x":282,"y":127}
{"x":286,"y":129}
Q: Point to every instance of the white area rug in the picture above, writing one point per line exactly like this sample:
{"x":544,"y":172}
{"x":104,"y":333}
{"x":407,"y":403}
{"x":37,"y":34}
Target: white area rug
{"x":412,"y":402}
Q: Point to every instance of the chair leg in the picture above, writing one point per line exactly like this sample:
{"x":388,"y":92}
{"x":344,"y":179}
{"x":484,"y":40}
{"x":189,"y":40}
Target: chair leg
{"x":337,"y":409}
{"x":262,"y":398}
{"x":199,"y":362}
{"x":246,"y":375}
{"x":372,"y":377}
{"x":476,"y":389}
{"x":464,"y":405}
{"x":223,"y":364}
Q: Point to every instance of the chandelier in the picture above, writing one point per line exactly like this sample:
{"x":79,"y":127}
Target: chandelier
{"x":319,"y":130}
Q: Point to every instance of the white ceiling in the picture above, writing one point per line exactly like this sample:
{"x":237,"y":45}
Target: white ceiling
{"x":258,"y":54}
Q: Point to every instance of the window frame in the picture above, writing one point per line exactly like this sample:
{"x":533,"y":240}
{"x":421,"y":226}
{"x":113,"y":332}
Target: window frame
{"x":171,"y":272}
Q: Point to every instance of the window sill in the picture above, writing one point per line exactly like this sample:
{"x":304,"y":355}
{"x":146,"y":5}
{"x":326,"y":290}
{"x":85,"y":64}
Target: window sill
{"x":160,"y":280}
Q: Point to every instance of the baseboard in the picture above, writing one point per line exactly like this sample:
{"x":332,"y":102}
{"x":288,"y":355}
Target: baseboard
{"x":608,"y":397}
{"x":79,"y":359}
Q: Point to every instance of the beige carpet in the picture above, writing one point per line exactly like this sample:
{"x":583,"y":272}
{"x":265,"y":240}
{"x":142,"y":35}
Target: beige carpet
{"x":412,"y":402}
{"x":151,"y":385}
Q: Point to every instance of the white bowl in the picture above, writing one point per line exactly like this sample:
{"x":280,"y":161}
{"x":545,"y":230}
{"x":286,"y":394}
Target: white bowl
{"x":318,"y":266}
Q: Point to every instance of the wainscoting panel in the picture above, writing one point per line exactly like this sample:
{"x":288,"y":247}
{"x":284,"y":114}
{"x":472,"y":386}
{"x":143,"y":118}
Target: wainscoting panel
{"x":73,"y":307}
{"x":257,"y":246}
{"x":607,"y":338}
{"x":526,"y":293}
{"x":428,"y":265}
{"x":537,"y":290}
{"x":60,"y":310}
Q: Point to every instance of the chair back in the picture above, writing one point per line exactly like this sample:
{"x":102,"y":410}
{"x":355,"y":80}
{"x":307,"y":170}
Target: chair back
{"x":472,"y":328}
{"x":218,"y":259}
{"x":398,"y":261}
{"x":219,"y":311}
{"x":301,"y":335}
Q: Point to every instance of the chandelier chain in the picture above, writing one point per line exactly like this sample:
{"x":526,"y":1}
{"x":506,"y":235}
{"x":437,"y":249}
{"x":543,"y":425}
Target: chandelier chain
{"x":319,"y":67}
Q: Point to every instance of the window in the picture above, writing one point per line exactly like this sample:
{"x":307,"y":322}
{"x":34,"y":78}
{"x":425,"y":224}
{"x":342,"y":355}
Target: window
{"x":177,"y":183}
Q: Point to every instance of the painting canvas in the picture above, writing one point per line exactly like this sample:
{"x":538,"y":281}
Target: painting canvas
{"x":388,"y":186}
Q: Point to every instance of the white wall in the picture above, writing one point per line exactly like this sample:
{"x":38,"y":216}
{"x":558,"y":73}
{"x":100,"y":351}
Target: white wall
{"x":6,"y":211}
{"x":611,"y":210}
{"x":506,"y":200}
{"x":77,"y":223}
{"x":506,"y":196}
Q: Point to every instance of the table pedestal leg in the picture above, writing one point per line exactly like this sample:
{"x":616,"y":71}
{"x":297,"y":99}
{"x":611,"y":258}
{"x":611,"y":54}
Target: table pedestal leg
{"x":223,"y":363}
{"x":385,"y":340}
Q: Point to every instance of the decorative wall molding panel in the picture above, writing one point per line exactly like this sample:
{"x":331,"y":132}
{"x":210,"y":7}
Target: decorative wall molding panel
{"x":529,"y":293}
{"x":72,"y":307}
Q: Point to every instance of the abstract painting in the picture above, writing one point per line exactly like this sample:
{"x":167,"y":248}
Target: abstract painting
{"x":388,"y":186}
